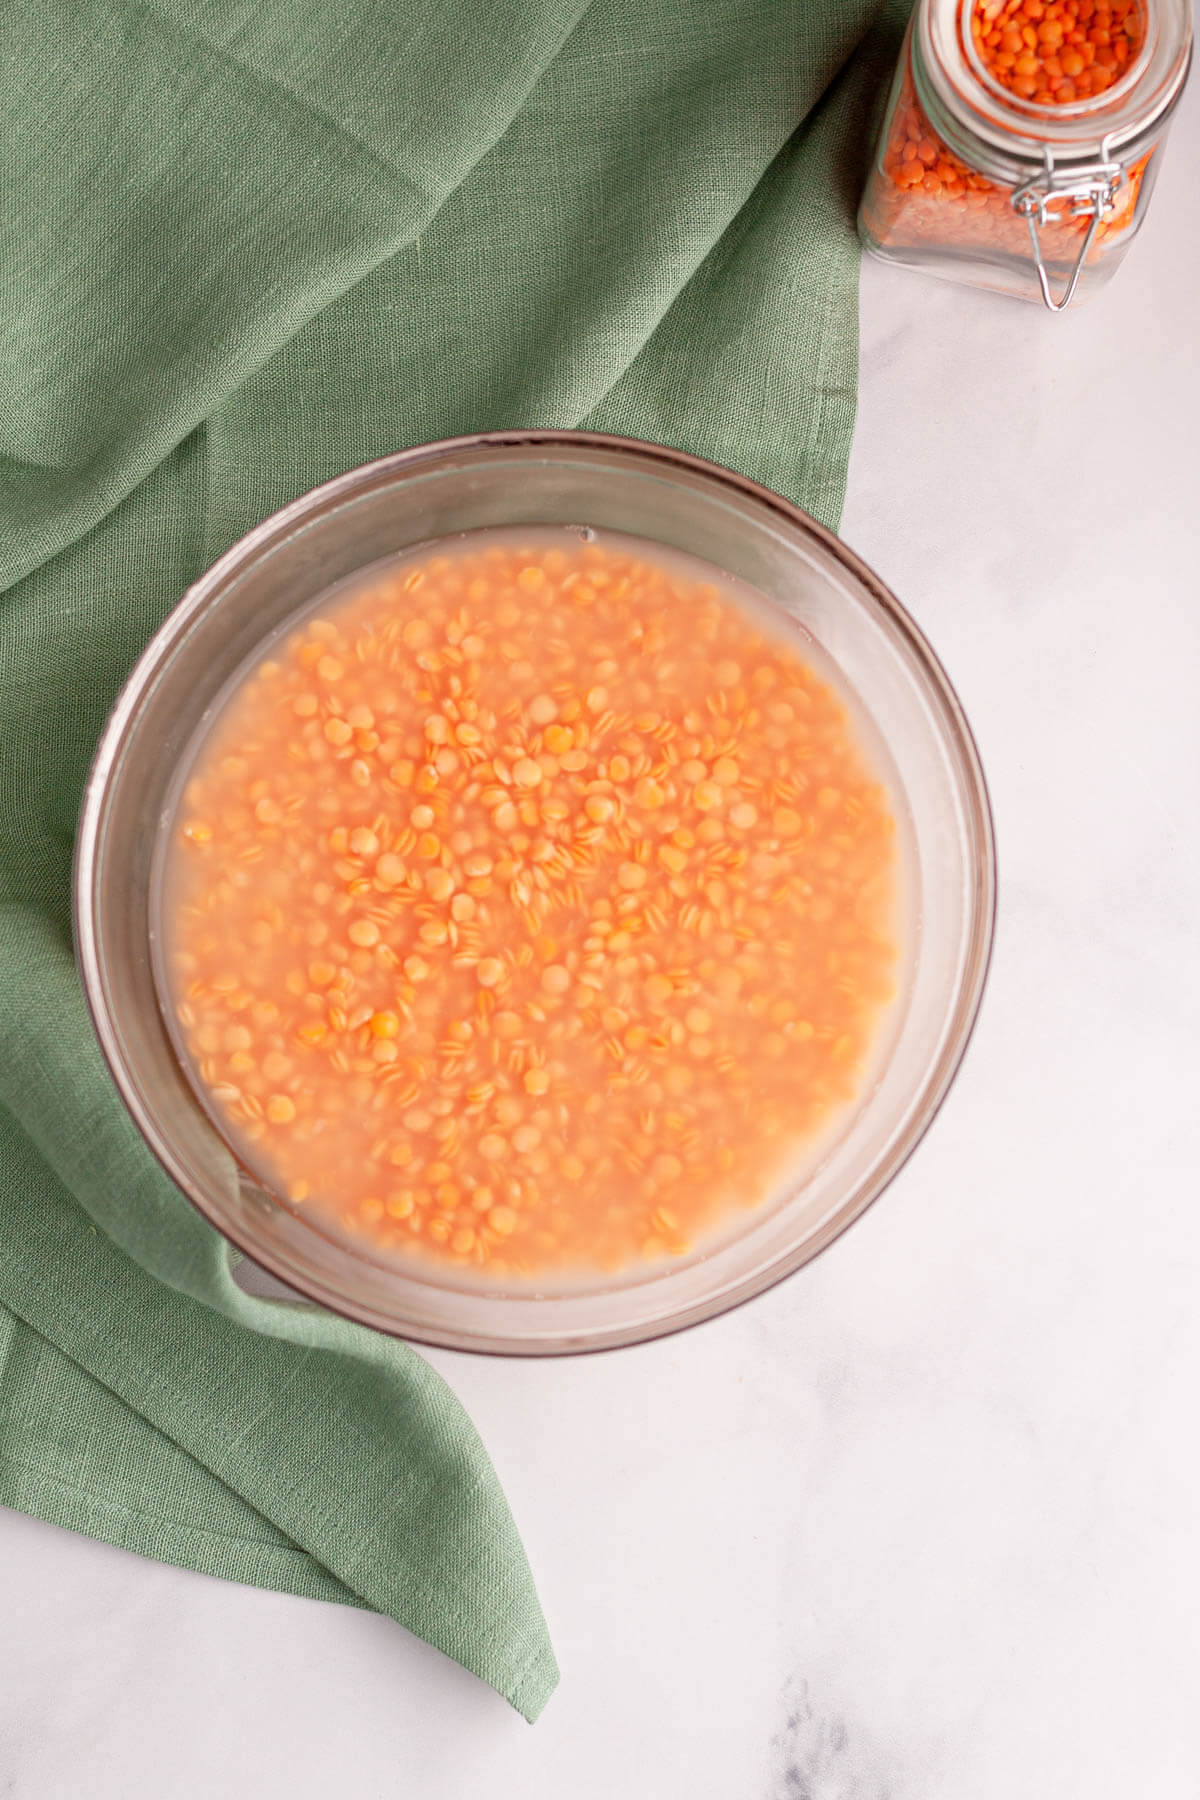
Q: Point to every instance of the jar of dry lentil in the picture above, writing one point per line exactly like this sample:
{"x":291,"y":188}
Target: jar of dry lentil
{"x":1022,"y":138}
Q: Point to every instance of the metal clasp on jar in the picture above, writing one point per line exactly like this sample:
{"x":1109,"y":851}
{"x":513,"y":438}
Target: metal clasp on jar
{"x":1090,"y":193}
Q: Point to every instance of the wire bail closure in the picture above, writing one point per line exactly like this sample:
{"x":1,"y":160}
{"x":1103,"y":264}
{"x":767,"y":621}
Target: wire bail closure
{"x":1090,"y":192}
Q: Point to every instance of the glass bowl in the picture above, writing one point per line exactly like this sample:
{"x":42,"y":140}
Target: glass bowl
{"x":547,"y":478}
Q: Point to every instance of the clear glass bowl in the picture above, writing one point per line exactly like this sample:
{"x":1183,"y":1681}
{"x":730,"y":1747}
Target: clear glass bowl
{"x":565,"y":478}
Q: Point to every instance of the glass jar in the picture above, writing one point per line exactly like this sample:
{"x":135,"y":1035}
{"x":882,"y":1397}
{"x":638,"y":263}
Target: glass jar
{"x":538,"y":478}
{"x":1030,"y":195}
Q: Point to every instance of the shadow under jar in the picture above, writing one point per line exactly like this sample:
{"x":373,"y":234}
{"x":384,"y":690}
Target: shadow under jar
{"x":1033,"y":194}
{"x":419,"y":497}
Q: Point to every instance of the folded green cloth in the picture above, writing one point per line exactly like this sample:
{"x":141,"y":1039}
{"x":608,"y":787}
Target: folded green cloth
{"x":244,"y":245}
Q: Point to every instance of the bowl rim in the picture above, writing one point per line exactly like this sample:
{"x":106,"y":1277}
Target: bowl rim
{"x":245,"y":551}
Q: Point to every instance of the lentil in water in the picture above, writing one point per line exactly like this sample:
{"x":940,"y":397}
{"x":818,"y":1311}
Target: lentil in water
{"x":531,"y":907}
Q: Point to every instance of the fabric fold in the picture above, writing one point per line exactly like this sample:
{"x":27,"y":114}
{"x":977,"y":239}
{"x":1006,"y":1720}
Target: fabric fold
{"x":159,"y":245}
{"x":356,"y":1453}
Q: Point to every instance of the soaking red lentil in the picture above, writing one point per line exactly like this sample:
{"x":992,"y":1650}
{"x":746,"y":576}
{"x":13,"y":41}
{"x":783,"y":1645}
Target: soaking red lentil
{"x":1022,"y":137}
{"x":532,"y":907}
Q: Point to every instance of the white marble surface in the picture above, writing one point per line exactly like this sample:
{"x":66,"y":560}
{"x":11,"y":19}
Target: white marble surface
{"x":924,"y":1523}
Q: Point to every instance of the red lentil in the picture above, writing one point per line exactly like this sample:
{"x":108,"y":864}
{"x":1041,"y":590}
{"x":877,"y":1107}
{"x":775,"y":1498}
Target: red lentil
{"x":1054,"y":52}
{"x":1045,"y":53}
{"x":563,"y":1000}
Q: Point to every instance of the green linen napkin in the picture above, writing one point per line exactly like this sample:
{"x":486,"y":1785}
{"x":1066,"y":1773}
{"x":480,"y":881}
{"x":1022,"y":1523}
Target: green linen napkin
{"x":244,"y":245}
